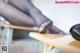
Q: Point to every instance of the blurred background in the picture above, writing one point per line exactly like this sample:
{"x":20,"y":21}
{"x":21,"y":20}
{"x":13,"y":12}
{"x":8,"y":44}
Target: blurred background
{"x":64,"y":17}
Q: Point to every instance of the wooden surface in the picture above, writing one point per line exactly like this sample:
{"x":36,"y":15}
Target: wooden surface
{"x":63,"y":42}
{"x":7,"y":25}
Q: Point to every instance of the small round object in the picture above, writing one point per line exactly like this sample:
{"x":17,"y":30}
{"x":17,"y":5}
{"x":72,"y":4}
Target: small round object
{"x":75,"y":32}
